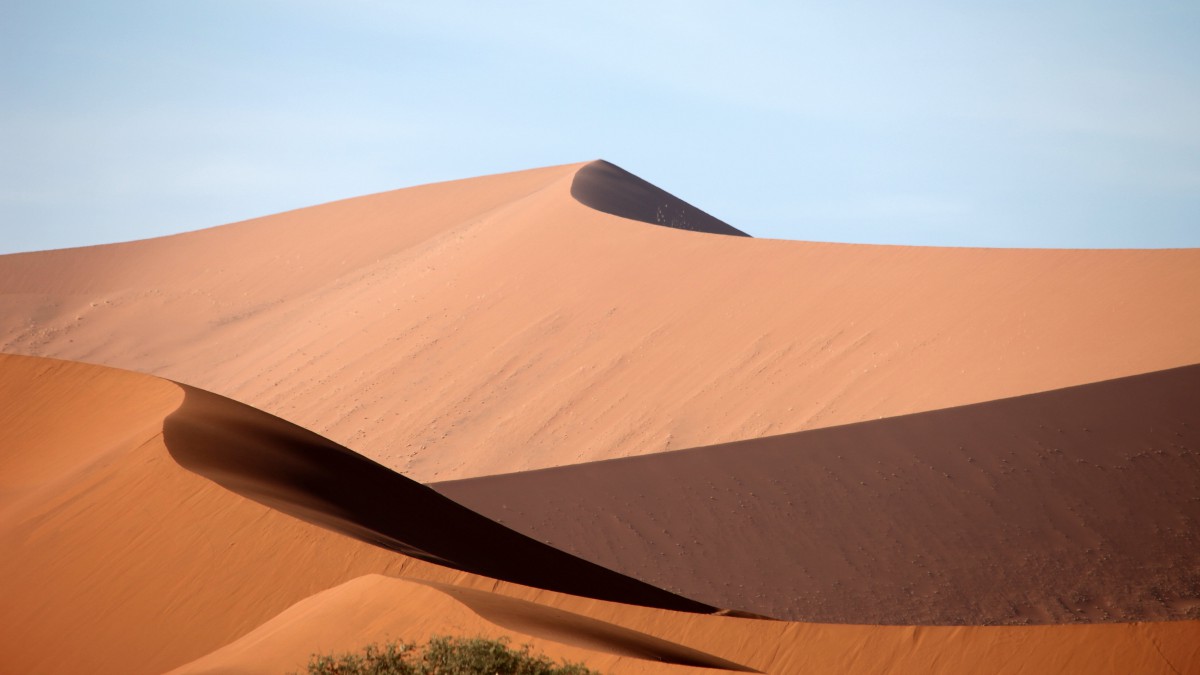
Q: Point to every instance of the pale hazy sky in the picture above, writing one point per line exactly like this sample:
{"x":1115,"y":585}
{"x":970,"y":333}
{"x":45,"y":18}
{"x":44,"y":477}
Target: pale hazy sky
{"x":1068,"y":124}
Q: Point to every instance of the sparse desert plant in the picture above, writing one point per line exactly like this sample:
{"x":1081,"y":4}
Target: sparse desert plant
{"x":443,"y":656}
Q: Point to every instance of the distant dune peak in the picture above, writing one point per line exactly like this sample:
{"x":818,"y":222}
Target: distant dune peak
{"x":607,"y":187}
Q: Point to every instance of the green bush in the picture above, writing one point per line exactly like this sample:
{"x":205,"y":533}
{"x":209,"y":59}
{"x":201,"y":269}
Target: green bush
{"x":443,"y":656}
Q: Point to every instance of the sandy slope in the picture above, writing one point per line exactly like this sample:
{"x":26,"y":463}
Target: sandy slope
{"x":381,"y":609}
{"x":121,"y":561}
{"x":498,"y":324}
{"x":1081,"y":504}
{"x":128,"y":563}
{"x":378,"y":609}
{"x":297,"y":472}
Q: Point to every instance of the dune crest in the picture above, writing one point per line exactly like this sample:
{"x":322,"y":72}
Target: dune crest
{"x":297,"y":472}
{"x":874,"y":434}
{"x":498,"y":324}
{"x":377,"y":609}
{"x":608,"y":188}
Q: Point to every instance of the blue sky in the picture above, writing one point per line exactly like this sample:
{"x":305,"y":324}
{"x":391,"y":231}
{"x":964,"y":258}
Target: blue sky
{"x":1070,"y":124}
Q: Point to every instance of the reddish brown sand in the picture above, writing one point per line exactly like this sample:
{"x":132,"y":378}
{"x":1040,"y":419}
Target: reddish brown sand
{"x":1080,"y":504}
{"x":131,"y":564}
{"x":382,"y":609}
{"x":525,"y":321}
{"x":295,"y":471}
{"x":498,"y":324}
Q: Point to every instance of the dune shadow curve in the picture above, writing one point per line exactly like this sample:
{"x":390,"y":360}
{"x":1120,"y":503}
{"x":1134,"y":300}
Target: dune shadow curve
{"x":303,"y":474}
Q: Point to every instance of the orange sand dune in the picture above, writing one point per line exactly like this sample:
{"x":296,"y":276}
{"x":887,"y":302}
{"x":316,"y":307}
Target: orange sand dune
{"x":378,"y":609}
{"x":1080,"y":504}
{"x":119,"y":547}
{"x":382,"y":609}
{"x":127,"y":563}
{"x":500,"y":324}
{"x":305,"y":475}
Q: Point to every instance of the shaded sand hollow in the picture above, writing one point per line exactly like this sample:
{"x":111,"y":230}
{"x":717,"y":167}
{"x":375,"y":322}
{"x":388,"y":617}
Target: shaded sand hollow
{"x":500,"y":324}
{"x":129,"y":563}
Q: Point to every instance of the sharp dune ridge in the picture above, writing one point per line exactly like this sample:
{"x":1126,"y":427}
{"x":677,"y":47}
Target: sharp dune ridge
{"x":120,"y":547}
{"x":305,"y":475}
{"x":375,"y":607}
{"x":607,"y":187}
{"x":499,"y":324}
{"x":844,"y":436}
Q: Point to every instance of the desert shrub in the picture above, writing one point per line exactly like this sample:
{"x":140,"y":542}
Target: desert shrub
{"x":443,"y":656}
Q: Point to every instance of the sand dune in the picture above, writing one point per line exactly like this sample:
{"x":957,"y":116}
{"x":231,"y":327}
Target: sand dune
{"x":120,"y":547}
{"x":608,"y":188}
{"x":125,"y":562}
{"x":302,"y":474}
{"x":879,"y":434}
{"x":129,"y":563}
{"x":380,"y":608}
{"x":499,"y":324}
{"x":1080,"y":504}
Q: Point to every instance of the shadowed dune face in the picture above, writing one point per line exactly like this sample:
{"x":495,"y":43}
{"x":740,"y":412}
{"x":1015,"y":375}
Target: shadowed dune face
{"x":117,"y":560}
{"x":528,"y":320}
{"x":298,"y":472}
{"x":610,"y":189}
{"x":1081,"y":504}
{"x":498,"y":324}
{"x":129,"y":563}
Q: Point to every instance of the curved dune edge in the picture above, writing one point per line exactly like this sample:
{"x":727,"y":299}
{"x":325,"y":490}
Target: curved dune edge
{"x":610,"y":189}
{"x":131,"y":564}
{"x":300,"y":473}
{"x":376,"y":608}
{"x":120,"y":547}
{"x":497,"y":324}
{"x":379,"y":609}
{"x":1076,"y":505}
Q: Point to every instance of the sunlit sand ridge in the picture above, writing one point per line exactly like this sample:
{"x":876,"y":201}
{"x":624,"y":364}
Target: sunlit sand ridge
{"x":682,"y":426}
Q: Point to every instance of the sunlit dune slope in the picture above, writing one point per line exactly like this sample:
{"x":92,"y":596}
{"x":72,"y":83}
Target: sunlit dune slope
{"x":499,"y":324}
{"x":380,"y":609}
{"x":128,"y":563}
{"x":1080,"y":504}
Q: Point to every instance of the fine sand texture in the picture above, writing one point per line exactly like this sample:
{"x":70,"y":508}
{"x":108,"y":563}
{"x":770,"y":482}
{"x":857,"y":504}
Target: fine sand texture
{"x":381,"y":609}
{"x":300,"y":473}
{"x":565,"y":407}
{"x":1075,"y":505}
{"x":501,"y":324}
{"x":129,"y":563}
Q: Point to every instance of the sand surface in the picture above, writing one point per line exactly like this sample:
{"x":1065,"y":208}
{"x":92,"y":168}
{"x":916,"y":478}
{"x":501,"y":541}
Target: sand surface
{"x":1076,"y":505}
{"x":498,"y":324}
{"x":865,"y":434}
{"x":297,"y":472}
{"x":380,"y":609}
{"x":133,"y":564}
